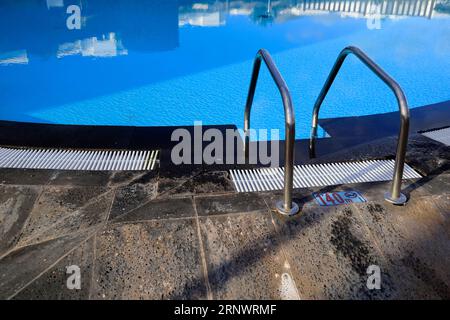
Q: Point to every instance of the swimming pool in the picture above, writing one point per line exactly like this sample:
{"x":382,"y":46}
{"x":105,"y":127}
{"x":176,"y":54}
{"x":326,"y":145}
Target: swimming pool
{"x":167,"y":62}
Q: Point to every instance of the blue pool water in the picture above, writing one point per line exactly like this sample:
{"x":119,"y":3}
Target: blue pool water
{"x":167,"y":62}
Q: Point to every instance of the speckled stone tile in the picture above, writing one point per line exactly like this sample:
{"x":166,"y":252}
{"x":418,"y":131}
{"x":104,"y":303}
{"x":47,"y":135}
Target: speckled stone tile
{"x":442,"y":203}
{"x":175,"y":176}
{"x":24,"y":265}
{"x":135,"y":194}
{"x":415,"y":239}
{"x":203,"y":183}
{"x":81,"y":178}
{"x":152,"y":260}
{"x":230,"y":203}
{"x":15,"y":207}
{"x":432,"y":185}
{"x":62,"y":210}
{"x":243,"y":257}
{"x":52,"y":285}
{"x":427,"y":156}
{"x":25,"y":176}
{"x":159,"y":209}
{"x":119,"y":178}
{"x":330,"y":250}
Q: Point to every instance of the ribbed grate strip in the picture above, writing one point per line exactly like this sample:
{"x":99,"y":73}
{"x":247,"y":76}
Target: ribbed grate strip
{"x":84,"y":160}
{"x":441,"y":135}
{"x":318,"y":175}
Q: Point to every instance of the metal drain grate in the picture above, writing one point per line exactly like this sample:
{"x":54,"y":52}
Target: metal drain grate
{"x":96,"y":160}
{"x":441,"y":135}
{"x":318,"y":175}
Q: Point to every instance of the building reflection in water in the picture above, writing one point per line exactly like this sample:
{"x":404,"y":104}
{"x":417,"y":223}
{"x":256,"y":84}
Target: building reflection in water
{"x":109,"y":28}
{"x":360,"y":8}
{"x":113,"y":28}
{"x":278,"y":11}
{"x":92,"y":47}
{"x":14,"y":57}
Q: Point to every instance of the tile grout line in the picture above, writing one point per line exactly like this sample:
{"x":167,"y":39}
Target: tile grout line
{"x":73,"y":233}
{"x":96,"y":228}
{"x":125,"y":222}
{"x":91,"y":201}
{"x":162,"y":197}
{"x":283,"y":251}
{"x":216,"y":194}
{"x":113,"y":198}
{"x":65,"y":234}
{"x":113,"y":222}
{"x":94,"y":254}
{"x":231,"y":214}
{"x":209,"y":294}
{"x":94,"y":259}
{"x":198,"y":195}
{"x":51,"y":266}
{"x":25,"y":224}
{"x":132,"y":182}
{"x":177,"y":186}
{"x":126,"y":182}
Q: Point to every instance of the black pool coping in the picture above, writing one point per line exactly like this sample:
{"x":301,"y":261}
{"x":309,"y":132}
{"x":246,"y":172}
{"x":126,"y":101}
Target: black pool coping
{"x":345,"y":133}
{"x":433,"y":116}
{"x":39,"y":135}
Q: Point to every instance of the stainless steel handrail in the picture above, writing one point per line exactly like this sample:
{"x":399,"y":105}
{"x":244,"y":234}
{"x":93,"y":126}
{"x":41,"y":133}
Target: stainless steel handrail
{"x":394,"y":196}
{"x":286,"y":206}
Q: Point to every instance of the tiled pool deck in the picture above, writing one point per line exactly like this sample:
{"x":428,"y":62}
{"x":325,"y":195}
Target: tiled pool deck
{"x":158,"y":236}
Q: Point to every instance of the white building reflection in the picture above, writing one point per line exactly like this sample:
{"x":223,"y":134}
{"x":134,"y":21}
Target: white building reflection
{"x":361,"y":8}
{"x":55,"y":3}
{"x":113,"y":28}
{"x":93,"y":47}
{"x":215,"y":13}
{"x":14,"y":57}
{"x":202,"y":14}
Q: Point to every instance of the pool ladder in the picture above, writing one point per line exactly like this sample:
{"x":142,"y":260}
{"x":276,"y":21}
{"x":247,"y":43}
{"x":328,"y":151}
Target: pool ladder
{"x":287,"y":206}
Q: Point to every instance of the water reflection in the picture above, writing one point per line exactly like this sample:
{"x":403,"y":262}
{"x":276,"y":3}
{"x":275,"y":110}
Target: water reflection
{"x":265,"y":11}
{"x":14,"y":57}
{"x":113,"y":28}
{"x":107,"y":29}
{"x":92,"y":47}
{"x":360,"y":8}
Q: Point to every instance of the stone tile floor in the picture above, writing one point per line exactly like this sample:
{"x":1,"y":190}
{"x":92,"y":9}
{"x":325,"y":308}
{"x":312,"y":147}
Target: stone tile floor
{"x":142,"y":236}
{"x":152,"y":235}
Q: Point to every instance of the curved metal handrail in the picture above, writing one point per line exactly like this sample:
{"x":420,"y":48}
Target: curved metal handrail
{"x":287,"y":206}
{"x":394,"y":196}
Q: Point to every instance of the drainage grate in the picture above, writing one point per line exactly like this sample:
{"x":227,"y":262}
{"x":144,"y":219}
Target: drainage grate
{"x":441,"y":135}
{"x":96,"y":160}
{"x":318,"y":175}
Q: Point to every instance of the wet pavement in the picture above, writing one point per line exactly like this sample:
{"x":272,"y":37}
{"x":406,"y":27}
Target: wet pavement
{"x":155,"y":235}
